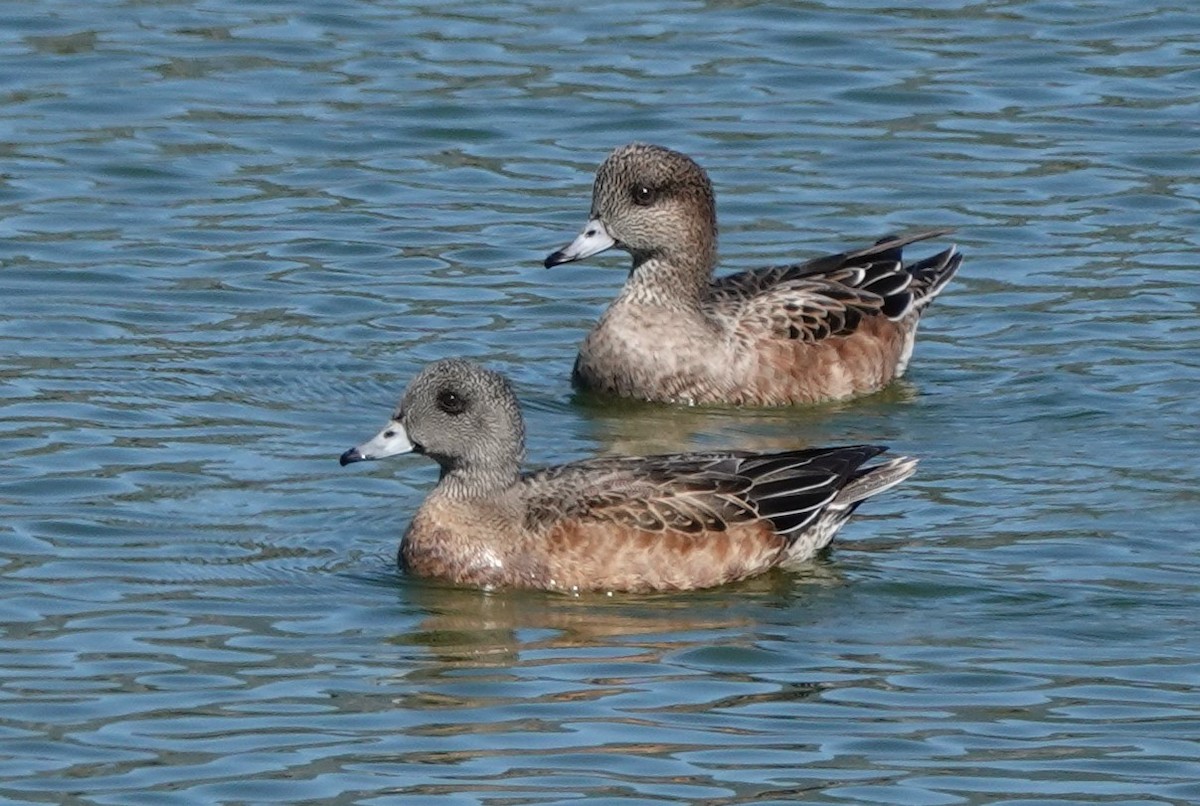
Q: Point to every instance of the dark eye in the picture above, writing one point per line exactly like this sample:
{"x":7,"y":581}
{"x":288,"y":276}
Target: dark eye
{"x":450,"y":402}
{"x":643,"y":195}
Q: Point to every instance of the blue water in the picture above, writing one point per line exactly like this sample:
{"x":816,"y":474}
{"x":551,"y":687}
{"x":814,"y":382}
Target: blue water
{"x":231,"y":231}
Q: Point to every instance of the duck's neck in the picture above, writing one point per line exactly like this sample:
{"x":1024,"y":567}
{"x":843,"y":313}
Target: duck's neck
{"x":464,"y":479}
{"x":678,"y":278}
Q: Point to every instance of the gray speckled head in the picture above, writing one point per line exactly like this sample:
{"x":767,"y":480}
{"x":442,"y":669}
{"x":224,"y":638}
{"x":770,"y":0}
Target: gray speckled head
{"x":463,"y":416}
{"x":654,"y":203}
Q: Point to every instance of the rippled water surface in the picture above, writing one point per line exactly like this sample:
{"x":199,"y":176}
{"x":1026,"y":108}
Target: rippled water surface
{"x":231,"y":231}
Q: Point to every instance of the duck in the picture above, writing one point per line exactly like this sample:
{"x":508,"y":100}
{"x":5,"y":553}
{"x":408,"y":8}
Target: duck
{"x":831,"y":328}
{"x":608,"y":524}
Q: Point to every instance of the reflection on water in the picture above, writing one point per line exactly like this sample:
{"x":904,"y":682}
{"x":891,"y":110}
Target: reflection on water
{"x":507,"y":628}
{"x":231,"y":233}
{"x":628,"y":427}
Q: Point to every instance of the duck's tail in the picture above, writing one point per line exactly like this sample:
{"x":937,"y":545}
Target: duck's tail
{"x":869,"y":481}
{"x":919,"y":282}
{"x":863,"y":483}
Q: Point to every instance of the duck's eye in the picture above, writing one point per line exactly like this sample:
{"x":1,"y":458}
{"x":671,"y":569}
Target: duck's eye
{"x":451,"y":403}
{"x":643,"y":195}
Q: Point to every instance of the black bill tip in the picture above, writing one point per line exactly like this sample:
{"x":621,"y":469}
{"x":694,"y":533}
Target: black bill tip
{"x":557,"y":258}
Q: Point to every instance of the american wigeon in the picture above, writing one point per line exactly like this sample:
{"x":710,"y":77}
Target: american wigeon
{"x":830,"y":328}
{"x":629,"y":523}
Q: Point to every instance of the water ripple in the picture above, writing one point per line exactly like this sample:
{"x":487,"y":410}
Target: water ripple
{"x":231,"y":233}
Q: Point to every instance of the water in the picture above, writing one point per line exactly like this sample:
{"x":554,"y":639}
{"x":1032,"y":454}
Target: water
{"x":230,"y":232}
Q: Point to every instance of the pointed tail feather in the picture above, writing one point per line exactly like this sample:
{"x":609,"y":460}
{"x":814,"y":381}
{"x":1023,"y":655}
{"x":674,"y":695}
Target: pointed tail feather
{"x":874,"y":480}
{"x":889,"y":246}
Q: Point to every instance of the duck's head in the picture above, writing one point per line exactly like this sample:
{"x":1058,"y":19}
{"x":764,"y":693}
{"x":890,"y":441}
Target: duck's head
{"x":460,"y":414}
{"x":653,"y":203}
